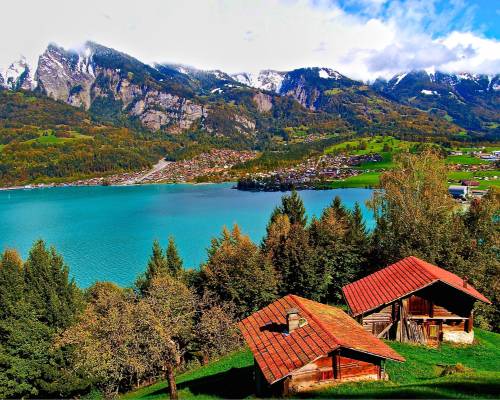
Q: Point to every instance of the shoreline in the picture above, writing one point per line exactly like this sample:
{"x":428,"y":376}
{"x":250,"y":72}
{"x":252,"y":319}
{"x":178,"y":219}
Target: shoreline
{"x":63,"y":185}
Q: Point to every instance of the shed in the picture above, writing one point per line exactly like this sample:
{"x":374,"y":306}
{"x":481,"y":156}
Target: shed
{"x":299,"y":345}
{"x":413,"y":300}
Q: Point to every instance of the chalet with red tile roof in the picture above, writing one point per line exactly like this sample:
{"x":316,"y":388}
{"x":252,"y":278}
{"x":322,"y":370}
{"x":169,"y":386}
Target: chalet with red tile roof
{"x":414,"y":301}
{"x":299,"y":344}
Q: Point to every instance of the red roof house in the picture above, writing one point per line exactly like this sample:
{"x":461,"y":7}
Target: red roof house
{"x":299,"y":344}
{"x":416,"y":301}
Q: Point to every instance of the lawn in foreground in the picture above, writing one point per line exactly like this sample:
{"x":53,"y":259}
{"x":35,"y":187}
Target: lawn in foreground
{"x":418,"y":377}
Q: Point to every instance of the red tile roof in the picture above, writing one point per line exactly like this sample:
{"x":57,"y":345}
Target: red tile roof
{"x":399,"y":280}
{"x":328,"y":328}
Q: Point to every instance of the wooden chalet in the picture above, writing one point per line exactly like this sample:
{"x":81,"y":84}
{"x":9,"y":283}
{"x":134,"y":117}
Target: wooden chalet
{"x":414,"y":301}
{"x":299,"y":345}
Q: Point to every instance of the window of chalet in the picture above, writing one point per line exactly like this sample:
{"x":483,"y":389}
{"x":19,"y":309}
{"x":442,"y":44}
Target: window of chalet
{"x":418,"y":306}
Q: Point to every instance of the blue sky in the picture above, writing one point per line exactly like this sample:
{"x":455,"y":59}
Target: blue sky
{"x":363,"y":39}
{"x":482,"y":16}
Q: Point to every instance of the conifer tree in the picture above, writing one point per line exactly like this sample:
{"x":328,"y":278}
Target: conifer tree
{"x":174,"y":261}
{"x":292,"y":206}
{"x":157,"y":267}
{"x":48,"y":288}
{"x":11,"y":282}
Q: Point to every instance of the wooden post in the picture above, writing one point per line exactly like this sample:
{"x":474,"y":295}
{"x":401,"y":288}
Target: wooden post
{"x":469,"y":323}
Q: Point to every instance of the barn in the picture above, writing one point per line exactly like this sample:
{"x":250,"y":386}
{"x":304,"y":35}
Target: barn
{"x":299,"y":345}
{"x":414,"y":301}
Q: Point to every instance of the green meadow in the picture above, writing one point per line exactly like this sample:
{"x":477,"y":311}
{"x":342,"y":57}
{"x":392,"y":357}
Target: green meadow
{"x":450,"y":371}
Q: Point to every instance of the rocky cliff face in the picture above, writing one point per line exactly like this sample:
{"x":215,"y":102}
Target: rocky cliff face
{"x":471,"y":100}
{"x":98,"y":75}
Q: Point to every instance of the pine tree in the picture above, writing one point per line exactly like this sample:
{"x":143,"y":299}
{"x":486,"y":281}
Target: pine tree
{"x":49,"y":290}
{"x":11,"y":282}
{"x":174,"y":261}
{"x":157,"y":267}
{"x":292,"y":206}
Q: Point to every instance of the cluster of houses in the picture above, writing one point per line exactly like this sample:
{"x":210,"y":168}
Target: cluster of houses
{"x":491,"y":156}
{"x":307,"y":174}
{"x":301,"y":345}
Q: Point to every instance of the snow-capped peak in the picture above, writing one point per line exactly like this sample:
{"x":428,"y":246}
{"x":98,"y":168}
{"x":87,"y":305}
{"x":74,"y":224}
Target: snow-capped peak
{"x":18,"y":75}
{"x":327,"y":73}
{"x":266,"y":79}
{"x":431,"y":71}
{"x":399,"y":78}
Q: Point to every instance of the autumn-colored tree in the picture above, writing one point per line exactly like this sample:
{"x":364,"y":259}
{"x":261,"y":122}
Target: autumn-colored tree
{"x":216,"y":330}
{"x":413,"y":211}
{"x":236,"y":271}
{"x":165,"y":325}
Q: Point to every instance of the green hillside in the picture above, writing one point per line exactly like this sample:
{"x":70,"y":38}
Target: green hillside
{"x":473,"y":372}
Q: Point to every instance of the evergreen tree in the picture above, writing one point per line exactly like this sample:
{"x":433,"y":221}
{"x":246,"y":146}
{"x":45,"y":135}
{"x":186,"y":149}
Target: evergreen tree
{"x":340,"y":212}
{"x":11,"y":282}
{"x":174,"y":261}
{"x":335,"y":254}
{"x":292,"y":206}
{"x":293,"y":259}
{"x":48,"y":288}
{"x":157,"y":267}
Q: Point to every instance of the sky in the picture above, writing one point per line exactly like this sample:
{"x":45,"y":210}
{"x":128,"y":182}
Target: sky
{"x":363,"y":39}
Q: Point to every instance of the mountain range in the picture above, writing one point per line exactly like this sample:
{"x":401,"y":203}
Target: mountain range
{"x":116,"y":88}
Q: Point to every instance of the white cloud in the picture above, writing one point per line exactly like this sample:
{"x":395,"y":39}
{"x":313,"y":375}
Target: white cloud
{"x":388,"y":36}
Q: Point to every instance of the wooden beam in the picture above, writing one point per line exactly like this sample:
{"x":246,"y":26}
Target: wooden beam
{"x":386,"y":329}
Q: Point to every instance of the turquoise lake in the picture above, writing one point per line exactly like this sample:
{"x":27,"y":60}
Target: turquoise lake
{"x":106,"y":233}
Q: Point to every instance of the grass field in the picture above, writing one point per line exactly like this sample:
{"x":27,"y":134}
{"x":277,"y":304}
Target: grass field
{"x":373,"y":145}
{"x":456,"y":176}
{"x":50,"y":138}
{"x":465,"y":160}
{"x":419,"y":377}
{"x":364,"y":180}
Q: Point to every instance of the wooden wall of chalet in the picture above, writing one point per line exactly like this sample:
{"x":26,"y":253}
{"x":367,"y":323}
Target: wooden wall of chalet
{"x":339,"y":366}
{"x":436,"y":308}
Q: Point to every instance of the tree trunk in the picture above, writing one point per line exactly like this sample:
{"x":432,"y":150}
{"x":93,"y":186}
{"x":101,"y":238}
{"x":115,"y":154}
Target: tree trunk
{"x":172,"y":387}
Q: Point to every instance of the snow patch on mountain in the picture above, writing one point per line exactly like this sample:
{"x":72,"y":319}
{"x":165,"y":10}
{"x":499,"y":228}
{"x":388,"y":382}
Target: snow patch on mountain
{"x":399,"y":78}
{"x":429,"y":92}
{"x":265,"y":80}
{"x":327,"y":73}
{"x":18,"y":75}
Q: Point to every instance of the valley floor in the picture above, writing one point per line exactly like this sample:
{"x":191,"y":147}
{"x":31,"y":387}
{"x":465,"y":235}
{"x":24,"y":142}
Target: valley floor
{"x":421,"y":376}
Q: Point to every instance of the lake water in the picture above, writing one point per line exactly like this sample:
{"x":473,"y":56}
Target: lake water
{"x":106,"y":233}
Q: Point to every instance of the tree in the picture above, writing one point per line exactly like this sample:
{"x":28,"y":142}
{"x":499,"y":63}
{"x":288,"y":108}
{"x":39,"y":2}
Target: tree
{"x":293,"y":260}
{"x":48,"y":288}
{"x":104,"y":340}
{"x":413,"y":211}
{"x":174,"y":261}
{"x":236,"y":271}
{"x":292,"y":206}
{"x":157,"y":266}
{"x":11,"y":282}
{"x":336,"y":255}
{"x":216,"y":331}
{"x":165,"y":323}
{"x":37,"y":300}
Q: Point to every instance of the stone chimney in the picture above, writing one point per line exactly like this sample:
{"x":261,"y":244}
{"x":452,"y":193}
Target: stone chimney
{"x":292,"y":319}
{"x":465,"y":281}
